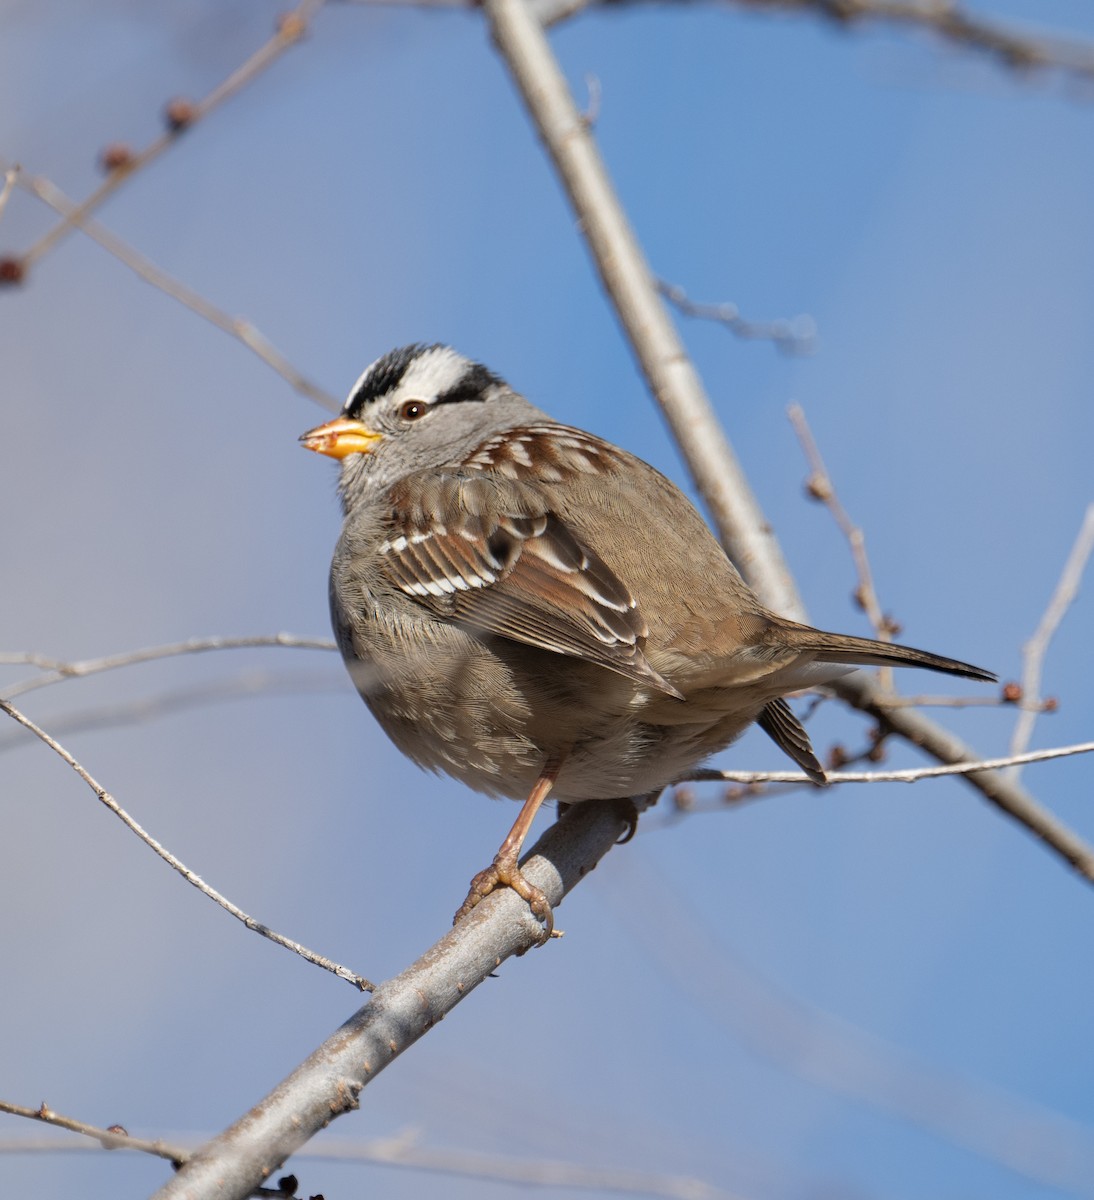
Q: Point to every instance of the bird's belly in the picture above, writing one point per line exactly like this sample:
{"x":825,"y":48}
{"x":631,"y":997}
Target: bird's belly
{"x":492,"y":714}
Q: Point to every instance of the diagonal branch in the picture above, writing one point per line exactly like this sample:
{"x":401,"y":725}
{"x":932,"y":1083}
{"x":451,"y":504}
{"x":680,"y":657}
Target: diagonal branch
{"x":290,"y":29}
{"x":172,"y":861}
{"x":401,"y":1010}
{"x":677,"y":388}
{"x":632,"y":290}
{"x":238,"y":327}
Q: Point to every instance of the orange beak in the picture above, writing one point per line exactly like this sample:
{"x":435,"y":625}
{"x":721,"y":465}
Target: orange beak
{"x":339,"y":438}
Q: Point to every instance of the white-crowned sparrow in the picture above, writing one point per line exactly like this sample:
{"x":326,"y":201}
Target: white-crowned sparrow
{"x":531,"y":609}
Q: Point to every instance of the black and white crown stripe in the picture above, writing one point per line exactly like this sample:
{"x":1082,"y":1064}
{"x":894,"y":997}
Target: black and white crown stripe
{"x":434,"y":374}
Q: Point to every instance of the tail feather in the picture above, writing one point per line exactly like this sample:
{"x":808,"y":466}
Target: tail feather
{"x":781,"y":725}
{"x":859,"y":651}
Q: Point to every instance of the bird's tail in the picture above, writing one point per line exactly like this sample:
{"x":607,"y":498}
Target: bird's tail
{"x":867,"y":652}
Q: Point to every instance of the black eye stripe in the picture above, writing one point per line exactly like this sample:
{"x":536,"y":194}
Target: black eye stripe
{"x":476,"y":379}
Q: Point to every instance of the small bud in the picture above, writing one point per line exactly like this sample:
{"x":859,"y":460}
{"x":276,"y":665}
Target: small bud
{"x":11,"y":270}
{"x":1050,"y":704}
{"x":287,"y":1185}
{"x":683,"y":799}
{"x":858,"y":597}
{"x":837,"y":757}
{"x":817,"y":487}
{"x":291,"y":27}
{"x":891,"y":626}
{"x":115,"y":157}
{"x":179,"y":113}
{"x":1011,"y":693}
{"x":119,"y":1129}
{"x":877,"y":752}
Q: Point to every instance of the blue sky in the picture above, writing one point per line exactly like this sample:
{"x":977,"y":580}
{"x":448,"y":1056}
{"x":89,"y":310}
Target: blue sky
{"x":931,"y":212}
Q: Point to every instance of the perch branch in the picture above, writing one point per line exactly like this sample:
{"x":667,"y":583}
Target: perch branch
{"x":328,"y":1084}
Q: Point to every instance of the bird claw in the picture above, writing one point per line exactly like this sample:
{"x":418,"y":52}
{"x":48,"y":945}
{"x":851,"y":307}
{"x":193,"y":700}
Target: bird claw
{"x":505,"y":872}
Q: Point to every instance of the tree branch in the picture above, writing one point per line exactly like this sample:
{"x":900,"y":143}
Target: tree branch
{"x":1033,"y":652}
{"x":632,"y":290}
{"x":190,"y":876}
{"x":290,"y":29}
{"x":328,"y":1084}
{"x":676,"y":387}
{"x":912,"y":775}
{"x":77,"y":216}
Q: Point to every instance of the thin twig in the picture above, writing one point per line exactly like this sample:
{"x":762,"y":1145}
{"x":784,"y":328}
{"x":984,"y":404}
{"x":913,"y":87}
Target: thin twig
{"x":57,"y":670}
{"x":1000,"y":701}
{"x":290,"y":29}
{"x":245,"y":685}
{"x":1011,"y":48}
{"x":1033,"y":653}
{"x":404,"y":1150}
{"x":115,"y":1138}
{"x":10,"y":177}
{"x":912,"y":775}
{"x":237,"y":327}
{"x":797,"y":336}
{"x":820,"y":487}
{"x":190,"y":876}
{"x":952,"y":22}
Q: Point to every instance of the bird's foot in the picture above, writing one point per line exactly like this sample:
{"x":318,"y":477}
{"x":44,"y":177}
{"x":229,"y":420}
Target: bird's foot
{"x":505,"y":872}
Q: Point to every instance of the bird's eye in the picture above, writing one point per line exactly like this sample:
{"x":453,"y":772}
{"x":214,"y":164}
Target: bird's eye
{"x":412,"y":410}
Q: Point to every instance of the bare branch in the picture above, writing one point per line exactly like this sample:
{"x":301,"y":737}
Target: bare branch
{"x":182,"y":115}
{"x":999,"y":701}
{"x":1033,"y":652}
{"x":1010,"y":47}
{"x":10,"y":176}
{"x":954,"y":23}
{"x":797,"y":336}
{"x":114,"y":1138}
{"x":402,"y":1150}
{"x":819,"y":486}
{"x":190,"y":876}
{"x":912,"y":775}
{"x":57,"y":669}
{"x":244,"y":685}
{"x":629,"y":283}
{"x":238,"y":327}
{"x":401,"y":1010}
{"x":677,"y":389}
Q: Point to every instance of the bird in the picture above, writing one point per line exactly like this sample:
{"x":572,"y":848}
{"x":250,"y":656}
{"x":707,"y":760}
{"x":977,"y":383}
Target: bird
{"x":534,"y":611}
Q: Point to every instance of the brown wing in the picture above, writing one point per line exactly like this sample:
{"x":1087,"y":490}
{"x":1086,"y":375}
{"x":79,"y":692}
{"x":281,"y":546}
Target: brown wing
{"x":486,"y":552}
